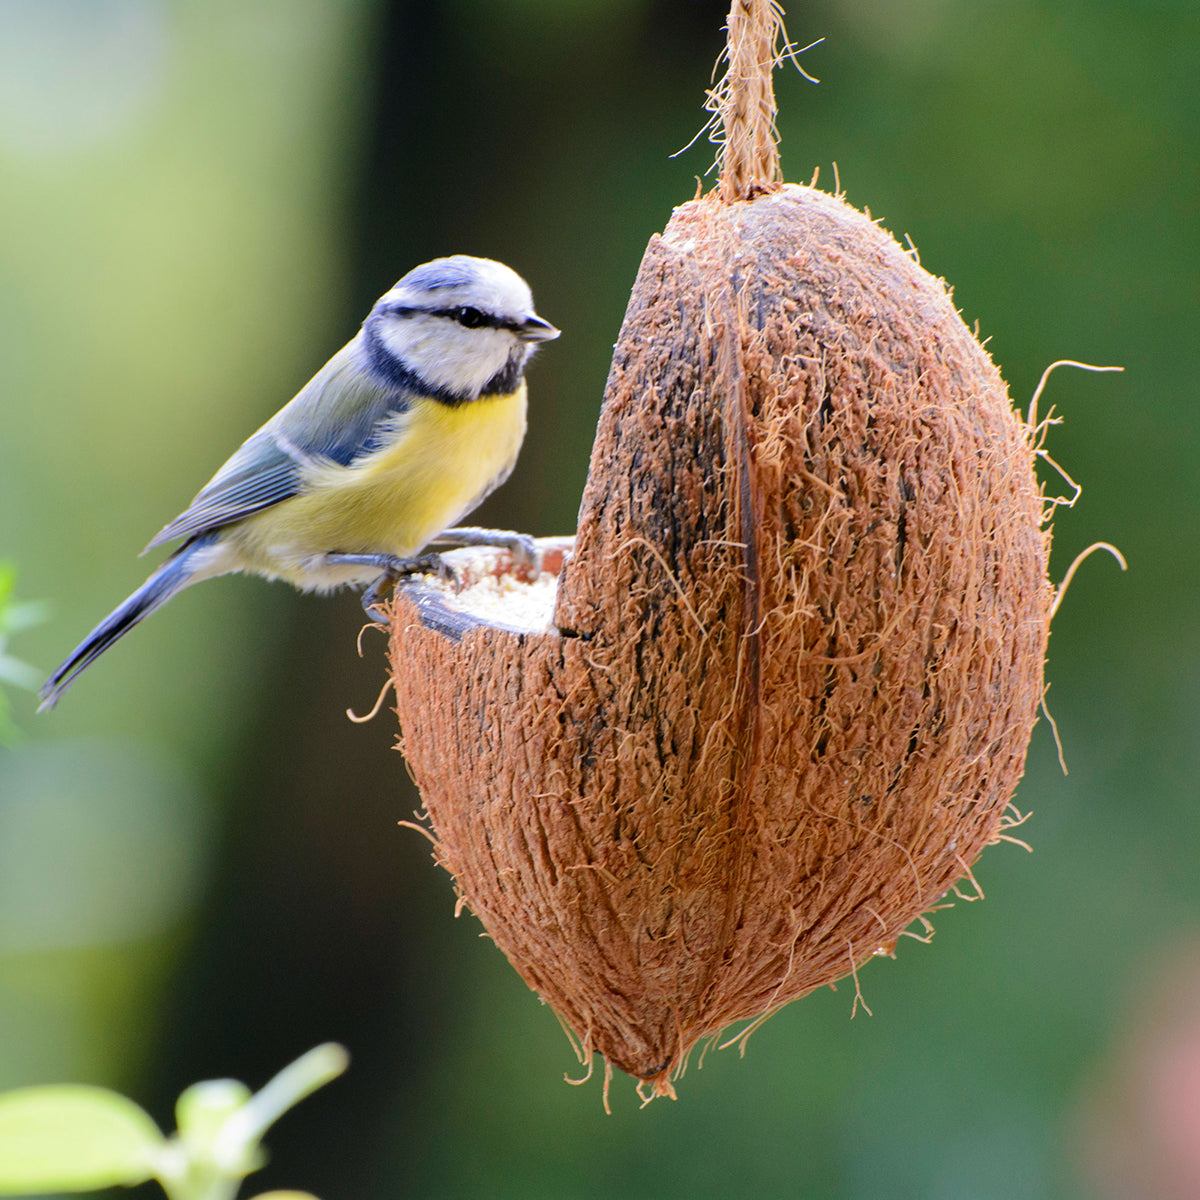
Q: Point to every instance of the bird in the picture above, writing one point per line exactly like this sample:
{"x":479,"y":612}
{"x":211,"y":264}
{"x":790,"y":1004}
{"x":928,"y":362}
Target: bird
{"x":400,"y":435}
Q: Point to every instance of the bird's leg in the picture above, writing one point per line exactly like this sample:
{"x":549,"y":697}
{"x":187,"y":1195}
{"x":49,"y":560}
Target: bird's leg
{"x":391,"y":568}
{"x":520,"y":545}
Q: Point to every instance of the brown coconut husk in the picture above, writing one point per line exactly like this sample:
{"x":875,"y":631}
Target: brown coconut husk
{"x":794,"y":660}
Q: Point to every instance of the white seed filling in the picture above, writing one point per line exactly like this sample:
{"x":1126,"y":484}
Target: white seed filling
{"x":506,"y":600}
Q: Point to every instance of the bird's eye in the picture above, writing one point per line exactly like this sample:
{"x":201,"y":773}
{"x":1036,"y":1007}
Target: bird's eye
{"x":471,"y":318}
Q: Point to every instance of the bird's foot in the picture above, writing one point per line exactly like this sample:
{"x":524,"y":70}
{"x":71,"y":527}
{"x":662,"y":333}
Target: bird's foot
{"x":391,"y":569}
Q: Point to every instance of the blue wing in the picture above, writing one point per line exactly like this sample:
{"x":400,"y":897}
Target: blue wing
{"x":336,"y":418}
{"x":258,"y":475}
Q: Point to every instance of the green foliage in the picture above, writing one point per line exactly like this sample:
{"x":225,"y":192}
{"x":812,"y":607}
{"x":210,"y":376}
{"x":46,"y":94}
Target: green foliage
{"x":73,"y":1137}
{"x":68,"y":1136}
{"x":14,"y":617}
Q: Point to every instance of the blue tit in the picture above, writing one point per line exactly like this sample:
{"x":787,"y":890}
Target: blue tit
{"x":402,"y":433}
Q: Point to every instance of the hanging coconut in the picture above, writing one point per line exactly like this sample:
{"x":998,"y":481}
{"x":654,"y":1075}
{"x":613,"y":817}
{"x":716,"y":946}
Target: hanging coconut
{"x":774,"y":701}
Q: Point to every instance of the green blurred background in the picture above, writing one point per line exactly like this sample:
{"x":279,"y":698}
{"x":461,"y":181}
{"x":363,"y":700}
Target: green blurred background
{"x":201,"y":872}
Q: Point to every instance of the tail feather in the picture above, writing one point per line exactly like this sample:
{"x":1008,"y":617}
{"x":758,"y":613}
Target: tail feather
{"x":172,"y":577}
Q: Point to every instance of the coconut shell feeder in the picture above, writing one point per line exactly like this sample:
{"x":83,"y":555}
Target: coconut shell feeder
{"x":772,"y":701}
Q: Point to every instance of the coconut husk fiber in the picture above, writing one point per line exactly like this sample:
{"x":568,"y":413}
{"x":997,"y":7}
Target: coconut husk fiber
{"x":795,"y":658}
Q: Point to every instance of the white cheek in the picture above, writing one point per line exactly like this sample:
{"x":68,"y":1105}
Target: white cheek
{"x":447,"y":355}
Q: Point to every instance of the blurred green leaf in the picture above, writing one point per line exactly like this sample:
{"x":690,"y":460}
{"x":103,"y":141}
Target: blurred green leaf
{"x":19,"y":674}
{"x":71,"y":1136}
{"x":15,"y":617}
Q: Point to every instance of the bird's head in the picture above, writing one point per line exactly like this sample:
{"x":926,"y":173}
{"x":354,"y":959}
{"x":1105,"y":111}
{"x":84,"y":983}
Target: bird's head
{"x":457,"y":324}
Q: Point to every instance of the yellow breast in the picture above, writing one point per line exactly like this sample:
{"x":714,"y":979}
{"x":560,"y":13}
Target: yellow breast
{"x":439,"y":463}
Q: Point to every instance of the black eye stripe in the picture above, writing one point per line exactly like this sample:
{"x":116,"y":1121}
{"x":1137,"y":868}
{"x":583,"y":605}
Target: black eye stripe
{"x":466,"y":315}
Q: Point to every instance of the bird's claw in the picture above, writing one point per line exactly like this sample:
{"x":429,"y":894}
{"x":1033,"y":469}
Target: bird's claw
{"x":373,"y":602}
{"x":521,"y":548}
{"x":374,"y":598}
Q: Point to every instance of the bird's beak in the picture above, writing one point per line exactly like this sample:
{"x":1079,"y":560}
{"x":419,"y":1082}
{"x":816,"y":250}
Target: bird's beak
{"x":534,"y":329}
